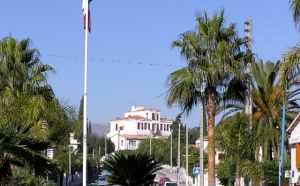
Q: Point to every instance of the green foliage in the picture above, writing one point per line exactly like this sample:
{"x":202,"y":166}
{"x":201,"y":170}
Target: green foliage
{"x":226,"y":172}
{"x":270,"y":169}
{"x":131,"y":170}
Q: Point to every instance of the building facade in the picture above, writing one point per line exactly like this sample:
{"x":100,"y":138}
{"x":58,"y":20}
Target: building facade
{"x":294,"y":141}
{"x":137,"y":125}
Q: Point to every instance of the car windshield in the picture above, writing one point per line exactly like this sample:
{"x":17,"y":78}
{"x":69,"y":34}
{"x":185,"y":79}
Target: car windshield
{"x":102,"y":179}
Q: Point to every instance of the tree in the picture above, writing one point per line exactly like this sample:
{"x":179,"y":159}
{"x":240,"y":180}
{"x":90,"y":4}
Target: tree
{"x":214,"y":60}
{"x":22,"y":71}
{"x":24,"y":139}
{"x":295,"y":9}
{"x":226,"y":171}
{"x":235,"y":137}
{"x":131,"y":170}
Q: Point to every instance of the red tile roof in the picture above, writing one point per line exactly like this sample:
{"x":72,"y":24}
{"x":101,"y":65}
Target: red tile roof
{"x":134,"y":117}
{"x":294,"y":123}
{"x":128,"y":136}
{"x":143,"y":109}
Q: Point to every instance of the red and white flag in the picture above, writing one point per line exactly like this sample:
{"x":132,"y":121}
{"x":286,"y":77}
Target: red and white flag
{"x":86,"y":11}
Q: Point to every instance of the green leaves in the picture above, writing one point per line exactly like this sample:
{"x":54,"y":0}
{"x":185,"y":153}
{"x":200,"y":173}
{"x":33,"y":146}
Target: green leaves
{"x":131,"y":170}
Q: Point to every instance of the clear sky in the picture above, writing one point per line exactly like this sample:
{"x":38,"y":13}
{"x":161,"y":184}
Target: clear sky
{"x":129,"y":47}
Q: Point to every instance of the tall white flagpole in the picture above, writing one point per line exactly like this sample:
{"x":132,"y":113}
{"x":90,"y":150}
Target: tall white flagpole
{"x":85,"y":94}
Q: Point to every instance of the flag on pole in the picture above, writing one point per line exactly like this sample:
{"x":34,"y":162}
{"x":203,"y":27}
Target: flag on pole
{"x":86,"y":11}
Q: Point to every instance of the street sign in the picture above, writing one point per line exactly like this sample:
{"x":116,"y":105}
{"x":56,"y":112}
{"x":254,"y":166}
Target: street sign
{"x":197,"y":170}
{"x":289,"y":173}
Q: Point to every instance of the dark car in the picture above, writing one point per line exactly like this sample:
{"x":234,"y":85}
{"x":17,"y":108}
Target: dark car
{"x":102,"y":180}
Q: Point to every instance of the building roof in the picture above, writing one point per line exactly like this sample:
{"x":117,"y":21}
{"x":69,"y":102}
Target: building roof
{"x":134,"y":117}
{"x":143,"y":109}
{"x":166,"y":120}
{"x":140,"y":137}
{"x":294,"y":123}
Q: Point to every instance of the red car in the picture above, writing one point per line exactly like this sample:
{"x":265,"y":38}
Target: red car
{"x":163,"y":179}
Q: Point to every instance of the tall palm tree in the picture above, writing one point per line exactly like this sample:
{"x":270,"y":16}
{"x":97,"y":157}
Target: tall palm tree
{"x":215,"y":60}
{"x":131,"y":170}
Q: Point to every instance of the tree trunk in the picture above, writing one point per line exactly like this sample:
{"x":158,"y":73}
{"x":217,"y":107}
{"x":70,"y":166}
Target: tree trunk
{"x":211,"y":112}
{"x":237,"y":176}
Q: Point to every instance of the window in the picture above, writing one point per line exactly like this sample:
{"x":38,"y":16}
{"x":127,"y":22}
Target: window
{"x":148,"y":126}
{"x":157,"y":116}
{"x":121,"y":127}
{"x":122,"y":141}
{"x":138,"y":125}
{"x":132,"y":143}
{"x":145,"y":126}
{"x":161,"y":126}
{"x":153,"y":116}
{"x":168,"y":127}
{"x":116,"y":126}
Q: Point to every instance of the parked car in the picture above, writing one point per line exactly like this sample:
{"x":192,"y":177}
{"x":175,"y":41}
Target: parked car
{"x":170,"y":183}
{"x":163,"y":179}
{"x":102,"y":180}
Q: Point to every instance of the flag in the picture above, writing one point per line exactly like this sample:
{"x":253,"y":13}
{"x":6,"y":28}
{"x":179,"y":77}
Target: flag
{"x":85,"y":11}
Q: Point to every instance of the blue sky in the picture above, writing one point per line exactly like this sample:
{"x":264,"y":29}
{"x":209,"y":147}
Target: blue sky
{"x":129,"y":46}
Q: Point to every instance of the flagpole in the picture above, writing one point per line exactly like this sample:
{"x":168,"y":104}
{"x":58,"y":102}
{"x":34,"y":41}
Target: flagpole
{"x":85,"y":95}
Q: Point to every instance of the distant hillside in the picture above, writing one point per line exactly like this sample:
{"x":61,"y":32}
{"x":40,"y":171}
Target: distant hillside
{"x":100,"y":129}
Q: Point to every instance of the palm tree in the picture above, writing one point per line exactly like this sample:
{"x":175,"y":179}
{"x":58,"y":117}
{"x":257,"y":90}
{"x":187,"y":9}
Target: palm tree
{"x":214,"y":60}
{"x":295,"y":9}
{"x":131,"y":170}
{"x":268,"y":99}
{"x":23,"y":139}
{"x":22,"y":71}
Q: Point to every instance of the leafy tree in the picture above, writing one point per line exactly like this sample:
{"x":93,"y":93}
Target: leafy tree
{"x":235,"y":138}
{"x":159,"y":148}
{"x":226,"y":171}
{"x":131,"y":170}
{"x":214,"y":60}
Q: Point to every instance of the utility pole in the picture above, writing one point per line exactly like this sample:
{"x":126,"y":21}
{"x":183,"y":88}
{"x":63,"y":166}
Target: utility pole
{"x":171,"y":152}
{"x":249,"y":100}
{"x":186,"y":151}
{"x":178,"y":154}
{"x":150,"y":143}
{"x":202,"y":114}
{"x":248,"y":108}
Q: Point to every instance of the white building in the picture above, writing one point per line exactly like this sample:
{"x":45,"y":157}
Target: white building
{"x":137,"y":125}
{"x":294,"y":141}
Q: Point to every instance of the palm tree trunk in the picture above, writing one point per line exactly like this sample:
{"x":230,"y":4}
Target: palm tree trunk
{"x":211,"y":112}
